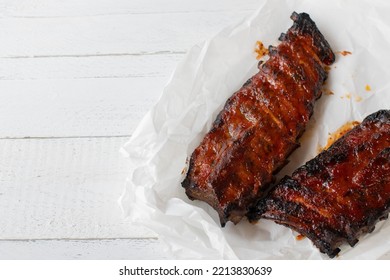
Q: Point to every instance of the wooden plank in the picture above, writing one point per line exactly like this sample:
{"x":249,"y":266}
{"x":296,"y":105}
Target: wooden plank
{"x":62,"y":93}
{"x":63,"y":188}
{"x":87,"y":67}
{"x":75,"y":8}
{"x":76,"y":107}
{"x":108,"y":249}
{"x":111,"y":34}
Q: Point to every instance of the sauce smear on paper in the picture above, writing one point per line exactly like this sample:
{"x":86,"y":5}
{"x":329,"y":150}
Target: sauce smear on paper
{"x":299,"y":237}
{"x":338,"y":133}
{"x":260,"y":50}
{"x":328,"y":91}
{"x":345,"y":53}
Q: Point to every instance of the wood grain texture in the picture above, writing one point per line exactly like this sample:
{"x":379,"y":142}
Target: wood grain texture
{"x":103,"y":249}
{"x":111,"y":34}
{"x":63,"y":188}
{"x":89,"y":67}
{"x":84,"y":8}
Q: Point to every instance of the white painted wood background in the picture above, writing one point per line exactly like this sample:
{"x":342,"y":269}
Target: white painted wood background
{"x":76,"y":77}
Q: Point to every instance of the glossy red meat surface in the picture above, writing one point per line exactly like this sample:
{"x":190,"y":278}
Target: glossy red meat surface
{"x":259,"y":125}
{"x":340,"y":194}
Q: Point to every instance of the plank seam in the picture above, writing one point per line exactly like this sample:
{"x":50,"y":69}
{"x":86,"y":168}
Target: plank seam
{"x":77,"y":239}
{"x":94,"y":55}
{"x":64,"y":137}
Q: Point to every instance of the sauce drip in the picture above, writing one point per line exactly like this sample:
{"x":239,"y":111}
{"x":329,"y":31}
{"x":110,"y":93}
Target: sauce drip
{"x":299,"y":237}
{"x":338,"y":134}
{"x":260,"y":50}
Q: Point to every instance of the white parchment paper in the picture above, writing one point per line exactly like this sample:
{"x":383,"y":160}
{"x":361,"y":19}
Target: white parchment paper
{"x":202,"y":82}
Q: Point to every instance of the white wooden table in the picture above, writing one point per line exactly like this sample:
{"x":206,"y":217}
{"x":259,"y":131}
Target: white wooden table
{"x":76,"y":77}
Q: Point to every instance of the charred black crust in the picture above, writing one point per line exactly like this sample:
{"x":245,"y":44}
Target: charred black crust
{"x":290,"y":183}
{"x":312,"y":167}
{"x":248,"y":82}
{"x":218,"y":122}
{"x":272,"y":50}
{"x":382,"y":115}
{"x":265,"y":204}
{"x":260,"y":64}
{"x":283,"y":212}
{"x":187,"y":183}
{"x":303,"y":24}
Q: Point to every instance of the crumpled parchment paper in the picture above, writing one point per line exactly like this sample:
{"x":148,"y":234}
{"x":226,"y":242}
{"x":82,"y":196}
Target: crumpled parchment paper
{"x":202,"y":82}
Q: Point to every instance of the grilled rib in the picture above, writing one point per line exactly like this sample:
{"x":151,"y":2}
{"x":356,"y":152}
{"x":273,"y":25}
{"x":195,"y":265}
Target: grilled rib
{"x":340,"y":194}
{"x":260,"y":124}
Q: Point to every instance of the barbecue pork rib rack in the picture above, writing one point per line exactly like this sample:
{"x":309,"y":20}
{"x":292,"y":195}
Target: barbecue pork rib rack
{"x":340,"y":194}
{"x":259,"y":125}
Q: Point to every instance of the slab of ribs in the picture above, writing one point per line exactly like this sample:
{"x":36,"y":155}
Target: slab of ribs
{"x":260,"y":124}
{"x":335,"y":197}
{"x":340,"y":194}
